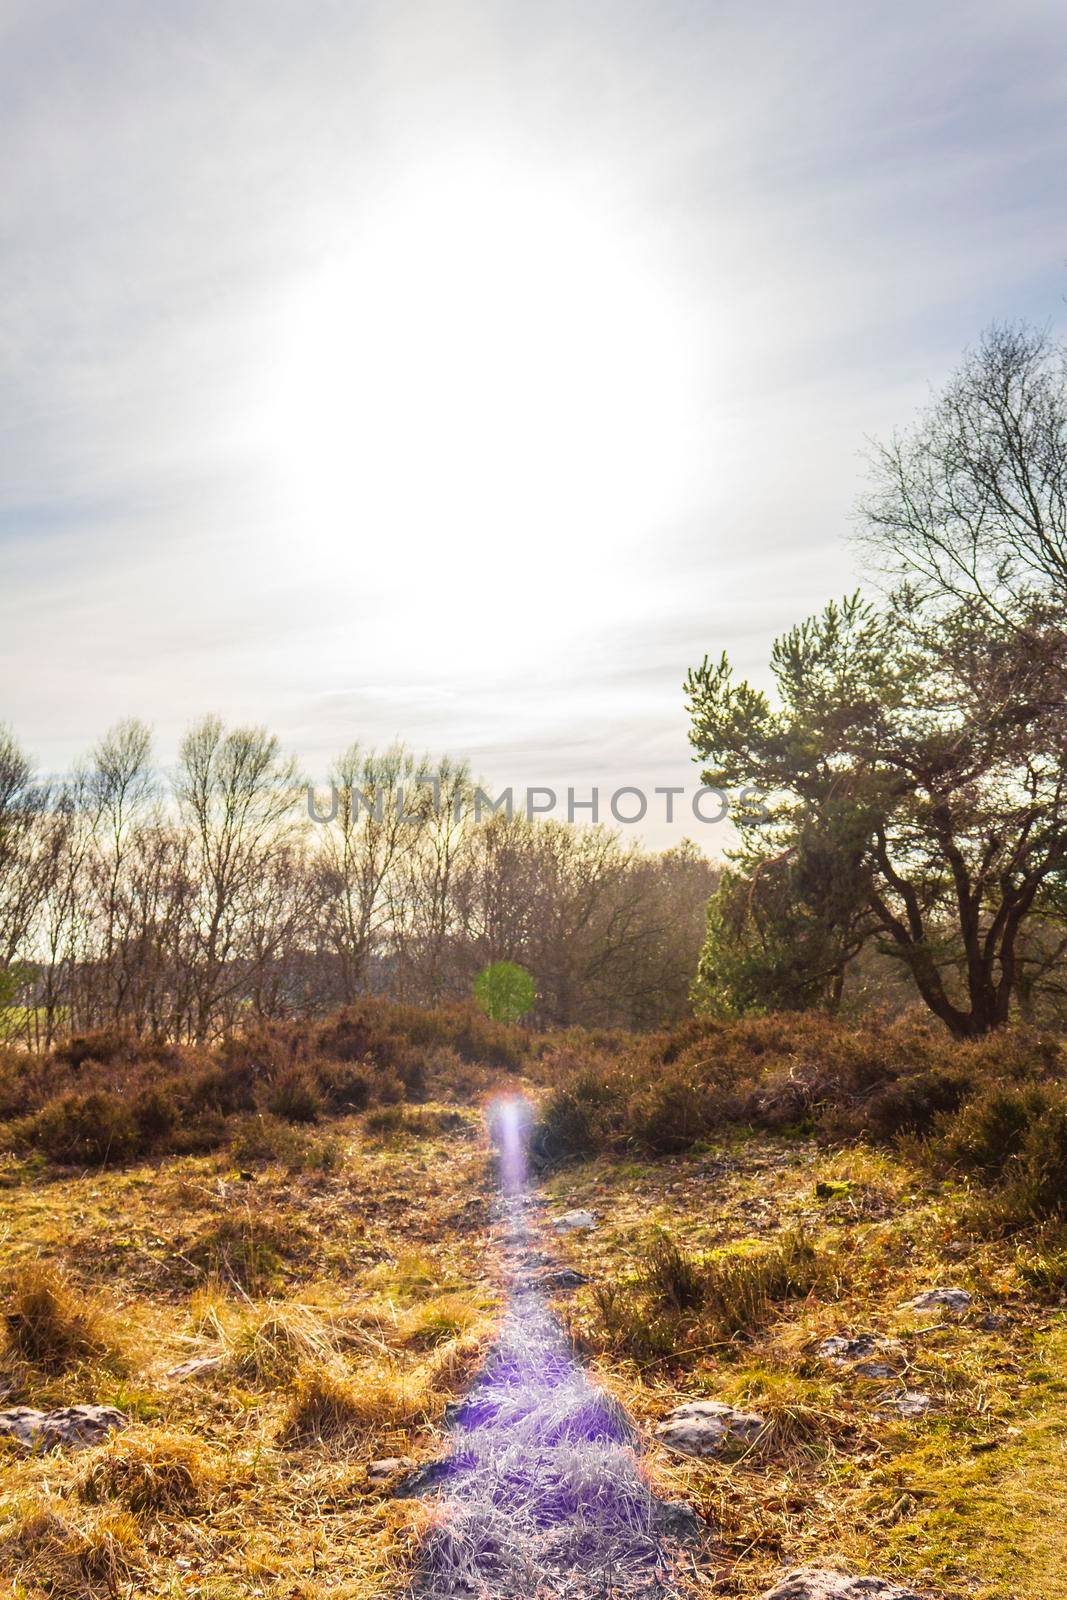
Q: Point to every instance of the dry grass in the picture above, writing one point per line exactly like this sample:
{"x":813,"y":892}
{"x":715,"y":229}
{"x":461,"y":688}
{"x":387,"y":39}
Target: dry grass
{"x":226,"y":1511}
{"x":152,"y":1473}
{"x":273,"y":1341}
{"x":45,"y":1551}
{"x":51,"y":1324}
{"x":329,"y":1403}
{"x":246,"y":1248}
{"x":348,"y":1297}
{"x":803,"y":1416}
{"x":957,"y":1500}
{"x":743,"y":1286}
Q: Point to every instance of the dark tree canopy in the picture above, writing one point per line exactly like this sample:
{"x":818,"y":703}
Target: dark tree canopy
{"x":919,"y":797}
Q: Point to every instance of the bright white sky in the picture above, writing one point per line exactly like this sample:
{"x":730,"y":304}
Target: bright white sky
{"x":463,"y":372}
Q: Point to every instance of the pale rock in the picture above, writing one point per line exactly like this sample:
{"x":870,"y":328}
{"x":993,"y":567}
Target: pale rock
{"x":69,"y":1427}
{"x":912,"y":1403}
{"x":194,"y":1366}
{"x":708,"y":1428}
{"x":575,"y":1221}
{"x":811,"y":1583}
{"x":942,"y":1299}
{"x":864,"y":1353}
{"x":388,"y":1467}
{"x":550,"y":1278}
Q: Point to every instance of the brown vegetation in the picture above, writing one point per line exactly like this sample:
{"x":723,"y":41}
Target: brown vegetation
{"x":51,"y":1324}
{"x":993,"y":1109}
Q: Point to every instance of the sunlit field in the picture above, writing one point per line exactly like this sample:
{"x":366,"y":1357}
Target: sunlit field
{"x":282,"y":1295}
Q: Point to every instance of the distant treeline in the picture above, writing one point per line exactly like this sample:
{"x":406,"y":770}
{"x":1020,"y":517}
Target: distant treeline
{"x":178,"y":908}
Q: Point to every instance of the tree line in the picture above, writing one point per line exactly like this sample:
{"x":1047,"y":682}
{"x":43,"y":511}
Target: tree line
{"x":178,"y":906}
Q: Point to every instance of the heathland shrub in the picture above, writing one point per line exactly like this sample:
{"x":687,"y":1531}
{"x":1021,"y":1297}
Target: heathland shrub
{"x":25,"y":1081}
{"x":77,"y":1109}
{"x":990,"y":1130}
{"x":1034,"y":1182}
{"x":104,"y":1047}
{"x":154,"y":1112}
{"x":294,"y":1096}
{"x":672,"y":1114}
{"x":912,"y":1102}
{"x":224,"y":1089}
{"x":578,"y":1117}
{"x":82,"y":1130}
{"x":667,"y":1092}
{"x":345,"y":1087}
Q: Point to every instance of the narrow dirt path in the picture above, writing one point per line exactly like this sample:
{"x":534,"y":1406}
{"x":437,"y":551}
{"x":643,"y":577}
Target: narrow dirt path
{"x":543,"y":1493}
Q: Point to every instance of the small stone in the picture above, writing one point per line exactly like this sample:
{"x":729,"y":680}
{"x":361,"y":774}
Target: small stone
{"x":676,"y":1520}
{"x":557,"y":1278}
{"x":430,"y":1476}
{"x":69,"y":1427}
{"x":940,"y":1300}
{"x":708,"y":1428}
{"x":574,"y":1221}
{"x":844,"y":1348}
{"x":912,"y":1403}
{"x":388,"y":1467}
{"x":194,"y":1366}
{"x":811,"y":1583}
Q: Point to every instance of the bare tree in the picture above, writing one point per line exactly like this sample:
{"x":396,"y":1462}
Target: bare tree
{"x":238,"y":793}
{"x":121,"y":788}
{"x":382,"y":808}
{"x":177,"y":913}
{"x":23,"y":803}
{"x":970,"y":504}
{"x":425,"y":916}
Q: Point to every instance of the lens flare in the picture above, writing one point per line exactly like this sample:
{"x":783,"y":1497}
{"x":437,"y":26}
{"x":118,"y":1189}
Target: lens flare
{"x":543,"y":1492}
{"x":510,"y":1121}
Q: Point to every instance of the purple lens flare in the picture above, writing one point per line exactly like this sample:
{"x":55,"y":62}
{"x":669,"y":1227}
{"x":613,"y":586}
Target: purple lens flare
{"x":543,"y":1494}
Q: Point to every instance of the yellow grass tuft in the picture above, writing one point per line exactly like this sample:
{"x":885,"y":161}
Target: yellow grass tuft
{"x":803,"y":1417}
{"x":52,"y":1325}
{"x":273,"y":1342}
{"x":46,"y":1551}
{"x":329,"y":1403}
{"x":437,"y":1321}
{"x":152,"y":1474}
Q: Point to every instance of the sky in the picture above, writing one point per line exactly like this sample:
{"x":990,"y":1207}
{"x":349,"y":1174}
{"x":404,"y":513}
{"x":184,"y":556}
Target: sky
{"x":464,"y":372}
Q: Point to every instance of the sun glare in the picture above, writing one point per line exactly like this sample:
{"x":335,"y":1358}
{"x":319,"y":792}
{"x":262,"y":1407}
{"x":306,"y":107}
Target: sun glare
{"x":488,"y":387}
